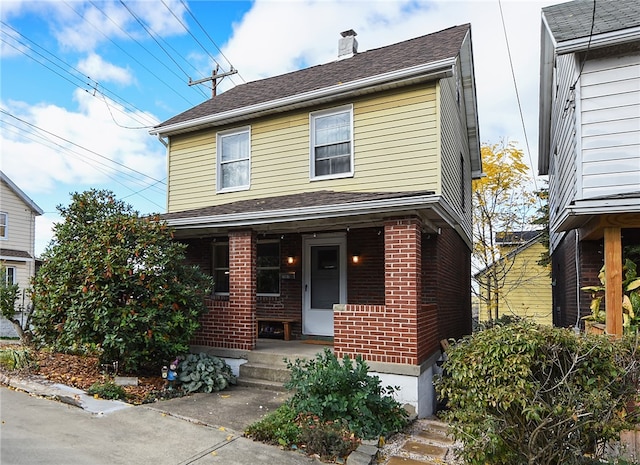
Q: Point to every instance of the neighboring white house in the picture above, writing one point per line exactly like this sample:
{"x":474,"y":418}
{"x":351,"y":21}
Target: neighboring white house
{"x":589,"y":145}
{"x":17,"y":237}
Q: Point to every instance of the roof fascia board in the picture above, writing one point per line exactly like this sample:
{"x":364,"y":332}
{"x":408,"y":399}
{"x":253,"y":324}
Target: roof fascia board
{"x":600,"y":40}
{"x":547,"y":58}
{"x":471,"y":103}
{"x":9,"y":258}
{"x":305,"y":213}
{"x":586,"y":209}
{"x":24,"y":197}
{"x":426,"y":70}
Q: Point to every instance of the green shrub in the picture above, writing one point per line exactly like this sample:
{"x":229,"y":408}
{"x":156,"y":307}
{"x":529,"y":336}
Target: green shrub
{"x":332,"y":390}
{"x":16,"y":359}
{"x":521,"y":393}
{"x":204,"y":373}
{"x":279,"y":427}
{"x":107,"y":390}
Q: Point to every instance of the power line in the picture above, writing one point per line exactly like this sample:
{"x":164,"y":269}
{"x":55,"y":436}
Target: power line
{"x":77,"y":145}
{"x":172,"y":88}
{"x":515,"y":86}
{"x":153,"y":36}
{"x":82,"y":80}
{"x":142,"y":46}
{"x":209,"y":37}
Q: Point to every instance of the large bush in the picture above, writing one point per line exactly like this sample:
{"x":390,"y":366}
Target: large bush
{"x":116,"y":281}
{"x":526,"y":394}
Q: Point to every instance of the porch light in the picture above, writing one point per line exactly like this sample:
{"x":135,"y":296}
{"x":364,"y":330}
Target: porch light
{"x":355,"y":258}
{"x":290,"y":259}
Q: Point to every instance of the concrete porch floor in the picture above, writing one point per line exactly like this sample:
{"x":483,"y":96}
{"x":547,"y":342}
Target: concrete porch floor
{"x":291,"y":349}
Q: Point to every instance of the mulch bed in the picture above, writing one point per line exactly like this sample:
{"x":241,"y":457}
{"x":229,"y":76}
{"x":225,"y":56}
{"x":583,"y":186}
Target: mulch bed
{"x":81,"y":371}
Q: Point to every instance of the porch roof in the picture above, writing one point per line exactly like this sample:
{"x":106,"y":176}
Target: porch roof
{"x":312,"y":210}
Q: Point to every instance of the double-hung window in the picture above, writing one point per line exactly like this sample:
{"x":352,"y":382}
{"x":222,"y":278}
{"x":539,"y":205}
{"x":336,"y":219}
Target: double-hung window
{"x":233,"y":159}
{"x":4,"y":226}
{"x":10,"y":275}
{"x":332,"y":143}
{"x":221,"y":267}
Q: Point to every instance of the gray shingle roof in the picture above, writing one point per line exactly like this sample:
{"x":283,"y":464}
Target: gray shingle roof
{"x":305,"y":199}
{"x":572,"y":20}
{"x":420,"y":50}
{"x":14,"y":253}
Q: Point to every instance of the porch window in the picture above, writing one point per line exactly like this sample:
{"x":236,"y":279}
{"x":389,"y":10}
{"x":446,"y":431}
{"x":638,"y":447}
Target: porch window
{"x":233,"y":160}
{"x":4,"y":230}
{"x":332,"y":143}
{"x":268,"y":268}
{"x":221,"y":267}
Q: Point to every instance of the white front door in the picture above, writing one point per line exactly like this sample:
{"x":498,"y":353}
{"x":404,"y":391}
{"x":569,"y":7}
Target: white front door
{"x":324,"y":281}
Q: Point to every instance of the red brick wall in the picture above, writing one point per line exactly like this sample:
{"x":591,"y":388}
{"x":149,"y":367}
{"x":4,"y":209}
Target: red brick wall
{"x":447,"y":269}
{"x":242,"y":287}
{"x":378,"y":333}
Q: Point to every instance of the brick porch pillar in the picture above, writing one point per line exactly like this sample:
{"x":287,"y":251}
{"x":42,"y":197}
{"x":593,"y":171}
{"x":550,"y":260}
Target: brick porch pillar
{"x":242,"y":288}
{"x":403,"y":281}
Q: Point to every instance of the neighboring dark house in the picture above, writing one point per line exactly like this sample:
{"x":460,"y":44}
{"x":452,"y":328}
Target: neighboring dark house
{"x":335,"y":202}
{"x":589,"y":145}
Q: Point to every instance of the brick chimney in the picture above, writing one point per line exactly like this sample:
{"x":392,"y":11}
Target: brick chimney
{"x":347,"y":45}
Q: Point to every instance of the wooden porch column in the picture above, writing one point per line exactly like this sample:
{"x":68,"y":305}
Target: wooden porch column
{"x":242,"y":288}
{"x":613,"y":280}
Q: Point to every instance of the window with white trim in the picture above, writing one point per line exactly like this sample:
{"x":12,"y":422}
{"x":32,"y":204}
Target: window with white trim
{"x":4,"y":226}
{"x":332,"y":143}
{"x":233,"y":160}
{"x":10,"y":276}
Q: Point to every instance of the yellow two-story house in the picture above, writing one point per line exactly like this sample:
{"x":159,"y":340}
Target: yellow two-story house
{"x":334,"y":203}
{"x":17,"y":239}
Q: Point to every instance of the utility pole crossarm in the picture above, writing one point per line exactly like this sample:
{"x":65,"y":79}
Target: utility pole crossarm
{"x":214,"y":79}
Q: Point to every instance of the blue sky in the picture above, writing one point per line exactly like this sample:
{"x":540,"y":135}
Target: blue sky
{"x":81,"y":82}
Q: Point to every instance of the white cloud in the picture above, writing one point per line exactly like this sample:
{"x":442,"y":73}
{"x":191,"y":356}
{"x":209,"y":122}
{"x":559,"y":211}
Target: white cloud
{"x":100,"y":147}
{"x":99,"y":70}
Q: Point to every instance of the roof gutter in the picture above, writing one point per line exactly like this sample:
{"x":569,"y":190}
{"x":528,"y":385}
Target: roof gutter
{"x":433,"y":69}
{"x":599,"y":40}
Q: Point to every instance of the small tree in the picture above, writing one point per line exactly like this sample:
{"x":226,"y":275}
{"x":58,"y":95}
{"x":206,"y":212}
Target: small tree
{"x":116,"y":281}
{"x":502,"y":205}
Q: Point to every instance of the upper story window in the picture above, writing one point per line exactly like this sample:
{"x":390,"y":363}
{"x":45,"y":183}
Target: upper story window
{"x":234,"y":159}
{"x":332,"y":143}
{"x":4,"y":226}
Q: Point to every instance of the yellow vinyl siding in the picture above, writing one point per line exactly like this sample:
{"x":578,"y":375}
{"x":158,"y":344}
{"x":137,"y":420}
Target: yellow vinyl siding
{"x":395,"y":149}
{"x":527,"y":289}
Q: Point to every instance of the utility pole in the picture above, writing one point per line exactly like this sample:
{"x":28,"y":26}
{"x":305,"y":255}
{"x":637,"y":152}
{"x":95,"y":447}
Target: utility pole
{"x":214,"y":79}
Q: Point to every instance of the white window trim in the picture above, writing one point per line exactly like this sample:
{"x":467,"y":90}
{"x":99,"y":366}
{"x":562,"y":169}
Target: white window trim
{"x":312,"y":164}
{"x":14,"y":274}
{"x":6,"y":226}
{"x":219,"y":136}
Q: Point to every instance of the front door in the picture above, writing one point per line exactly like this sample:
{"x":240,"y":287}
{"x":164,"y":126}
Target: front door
{"x":324,"y":282}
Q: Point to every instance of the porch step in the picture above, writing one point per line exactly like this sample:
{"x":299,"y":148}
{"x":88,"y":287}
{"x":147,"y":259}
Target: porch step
{"x":261,"y":384}
{"x":262,"y":371}
{"x":266,"y":358}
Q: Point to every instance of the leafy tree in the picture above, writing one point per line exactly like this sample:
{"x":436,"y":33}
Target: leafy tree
{"x":8,"y":296}
{"x":542,"y":219}
{"x":502,"y":203}
{"x":116,"y":281}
